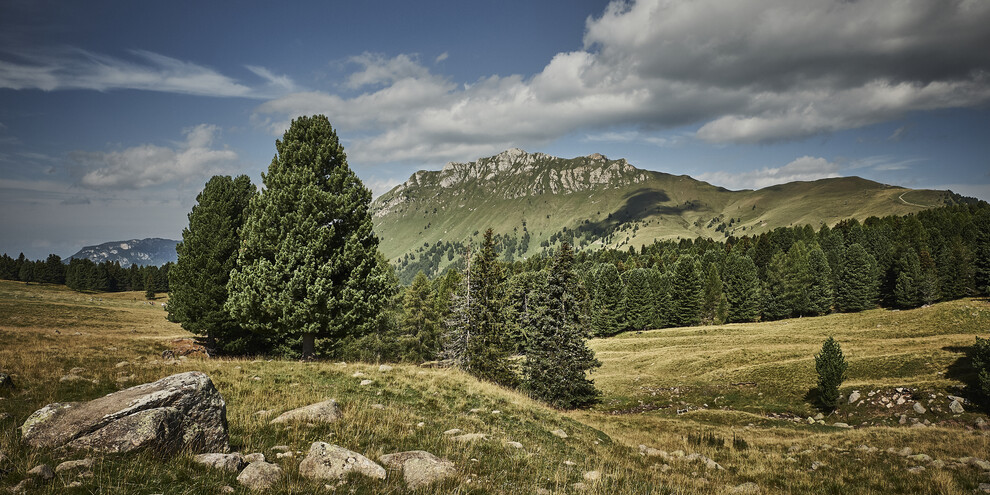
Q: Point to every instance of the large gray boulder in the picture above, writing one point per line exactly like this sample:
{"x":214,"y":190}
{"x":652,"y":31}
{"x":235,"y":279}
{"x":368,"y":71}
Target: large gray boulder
{"x":321,"y":412}
{"x":260,"y":475}
{"x":330,"y":462}
{"x":419,"y":468}
{"x":183,"y":411}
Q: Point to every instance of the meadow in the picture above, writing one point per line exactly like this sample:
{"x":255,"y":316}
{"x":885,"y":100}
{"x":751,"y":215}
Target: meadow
{"x":739,"y":395}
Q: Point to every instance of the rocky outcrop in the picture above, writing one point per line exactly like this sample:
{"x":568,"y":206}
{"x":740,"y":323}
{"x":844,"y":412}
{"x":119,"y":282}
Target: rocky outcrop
{"x":321,"y":412}
{"x":330,"y":462}
{"x":418,"y":467}
{"x":183,"y":411}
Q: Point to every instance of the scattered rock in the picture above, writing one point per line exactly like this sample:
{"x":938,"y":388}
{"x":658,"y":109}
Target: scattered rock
{"x":918,"y":408}
{"x":748,"y":488}
{"x":121,"y":364}
{"x":23,"y":486}
{"x":69,"y":466}
{"x":183,"y":411}
{"x":979,"y":463}
{"x":330,"y":462}
{"x":366,"y":382}
{"x":580,"y":487}
{"x":452,"y":431}
{"x":469,"y":437}
{"x":906,"y":451}
{"x":916,"y":469}
{"x":811,"y":420}
{"x":285,"y":455}
{"x":559,"y":433}
{"x":357,"y":374}
{"x":853,"y":397}
{"x":260,"y":475}
{"x":515,"y":445}
{"x":321,"y":412}
{"x":919,"y":457}
{"x":570,"y":463}
{"x":819,"y":417}
{"x":592,"y":476}
{"x":956,"y":407}
{"x":227,"y":489}
{"x":841,"y":425}
{"x":383,"y":368}
{"x":419,"y":468}
{"x":43,"y":471}
{"x":227,"y":462}
{"x":281,"y":448}
{"x":378,"y":406}
{"x":984,"y":487}
{"x":255,"y":457}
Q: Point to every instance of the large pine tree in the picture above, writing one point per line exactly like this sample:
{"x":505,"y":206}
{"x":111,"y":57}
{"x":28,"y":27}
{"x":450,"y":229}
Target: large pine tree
{"x":638,"y":301}
{"x":419,"y":320}
{"x":686,"y":285}
{"x":857,"y":281}
{"x":606,"y":299}
{"x":742,"y":288}
{"x":558,"y":358}
{"x":308,"y":263}
{"x":820,"y":294}
{"x":207,"y":254}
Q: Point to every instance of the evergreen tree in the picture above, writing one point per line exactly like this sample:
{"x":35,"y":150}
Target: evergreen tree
{"x":149,"y":292}
{"x":637,"y":300}
{"x":519,"y":290}
{"x":742,"y":288}
{"x":558,"y":358}
{"x":712,"y":298}
{"x":419,"y":320}
{"x":308,"y":264}
{"x":207,"y":255}
{"x":477,"y":339}
{"x":907,"y":287}
{"x":685,"y":292}
{"x":831,"y":367}
{"x":857,"y":281}
{"x":929,"y":284}
{"x":606,"y":300}
{"x":820,"y":295}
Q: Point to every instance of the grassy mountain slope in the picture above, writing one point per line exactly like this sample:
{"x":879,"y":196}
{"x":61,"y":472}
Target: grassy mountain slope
{"x":740,"y":384}
{"x":606,"y":202}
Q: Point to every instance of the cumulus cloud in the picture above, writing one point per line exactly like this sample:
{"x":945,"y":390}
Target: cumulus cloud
{"x":150,"y":165}
{"x":805,"y":168}
{"x":748,"y":71}
{"x":61,"y":69}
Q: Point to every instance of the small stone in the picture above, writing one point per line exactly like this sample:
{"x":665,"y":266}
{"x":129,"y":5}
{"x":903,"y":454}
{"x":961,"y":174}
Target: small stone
{"x":901,"y":401}
{"x":383,"y":368}
{"x":281,"y":448}
{"x":841,"y":425}
{"x":515,"y":445}
{"x":469,"y":437}
{"x":121,"y":364}
{"x":916,"y":469}
{"x":366,"y":382}
{"x":984,"y":487}
{"x":579,"y":486}
{"x":956,"y":407}
{"x":378,"y":406}
{"x":853,"y":397}
{"x":819,"y":416}
{"x":979,"y":463}
{"x":476,"y":410}
{"x":227,"y":489}
{"x":919,"y":457}
{"x":357,"y":374}
{"x":592,"y":476}
{"x":903,"y":419}
{"x":285,"y":455}
{"x":906,"y":451}
{"x":570,"y":463}
{"x":453,"y":431}
{"x":321,"y":412}
{"x":227,"y":462}
{"x":420,"y":424}
{"x":68,"y":466}
{"x":559,"y":433}
{"x":811,"y":420}
{"x":43,"y":471}
{"x":255,"y":457}
{"x":496,"y":412}
{"x":918,"y":408}
{"x":260,"y":475}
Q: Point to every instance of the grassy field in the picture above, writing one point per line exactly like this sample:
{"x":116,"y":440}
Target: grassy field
{"x":746,"y":390}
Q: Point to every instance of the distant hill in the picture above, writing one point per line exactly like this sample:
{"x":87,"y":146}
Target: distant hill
{"x":534,"y":201}
{"x":152,"y":251}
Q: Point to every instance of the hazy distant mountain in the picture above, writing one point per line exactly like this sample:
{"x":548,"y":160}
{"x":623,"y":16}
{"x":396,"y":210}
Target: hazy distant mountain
{"x":536,"y":200}
{"x":153,"y":251}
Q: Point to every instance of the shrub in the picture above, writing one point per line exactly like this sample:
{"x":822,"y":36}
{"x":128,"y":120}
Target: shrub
{"x":831,"y":367}
{"x":981,"y":364}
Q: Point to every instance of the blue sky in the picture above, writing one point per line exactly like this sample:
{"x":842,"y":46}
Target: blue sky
{"x":114,"y":114}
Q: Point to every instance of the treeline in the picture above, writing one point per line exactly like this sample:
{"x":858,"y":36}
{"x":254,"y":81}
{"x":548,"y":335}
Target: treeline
{"x":84,"y":274}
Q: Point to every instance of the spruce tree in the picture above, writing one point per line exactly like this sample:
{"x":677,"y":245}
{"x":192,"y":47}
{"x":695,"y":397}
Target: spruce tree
{"x":419,"y":320}
{"x":606,"y":301}
{"x":637,"y":301}
{"x":308,"y":263}
{"x":712,"y":297}
{"x":685,"y":292}
{"x":820,"y":294}
{"x":558,"y":358}
{"x":207,"y":254}
{"x":519,"y":290}
{"x":742,"y":288}
{"x":907,"y":285}
{"x":149,"y":287}
{"x":857,"y":281}
{"x":831,"y":367}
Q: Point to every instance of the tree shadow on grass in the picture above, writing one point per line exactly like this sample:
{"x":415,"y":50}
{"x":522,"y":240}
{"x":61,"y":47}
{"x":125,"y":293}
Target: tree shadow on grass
{"x":962,"y":370}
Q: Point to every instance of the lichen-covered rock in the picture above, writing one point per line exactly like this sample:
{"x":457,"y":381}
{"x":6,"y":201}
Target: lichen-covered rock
{"x":260,"y":475}
{"x":70,"y":466}
{"x":331,"y":462}
{"x":43,"y":471}
{"x":321,"y":412}
{"x":226,"y":462}
{"x":183,"y":411}
{"x":419,"y":468}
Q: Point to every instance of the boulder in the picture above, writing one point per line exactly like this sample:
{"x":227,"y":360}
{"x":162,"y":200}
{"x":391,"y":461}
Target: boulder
{"x":918,"y":408}
{"x":419,"y":468}
{"x":321,"y":412}
{"x":183,"y":411}
{"x":853,"y":397}
{"x":226,"y":462}
{"x":330,"y":462}
{"x":43,"y":471}
{"x":559,"y":433}
{"x":255,"y":457}
{"x":260,"y":475}
{"x":956,"y":407}
{"x":69,"y":466}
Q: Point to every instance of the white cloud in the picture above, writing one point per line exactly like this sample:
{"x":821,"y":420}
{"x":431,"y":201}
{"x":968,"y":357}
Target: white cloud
{"x":62,"y":69}
{"x":635,"y":136}
{"x":150,"y":165}
{"x":747,"y":71}
{"x":381,"y":185}
{"x":805,"y":168}
{"x":440,"y":58}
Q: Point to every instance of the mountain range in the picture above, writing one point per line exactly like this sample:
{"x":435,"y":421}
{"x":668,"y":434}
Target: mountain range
{"x":153,"y":251}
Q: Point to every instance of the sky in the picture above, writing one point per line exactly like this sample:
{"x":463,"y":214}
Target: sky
{"x":113,"y":115}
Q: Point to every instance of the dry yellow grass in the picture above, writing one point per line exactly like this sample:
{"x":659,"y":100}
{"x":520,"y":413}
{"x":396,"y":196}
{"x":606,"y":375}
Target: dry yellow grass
{"x":916,"y":349}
